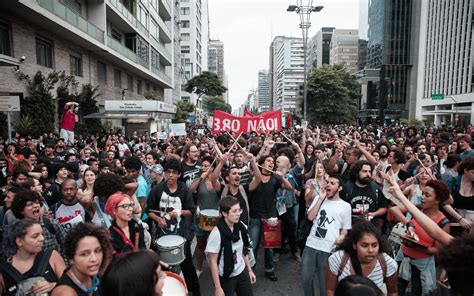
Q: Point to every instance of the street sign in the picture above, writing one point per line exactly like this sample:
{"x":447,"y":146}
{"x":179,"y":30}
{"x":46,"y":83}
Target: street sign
{"x":436,"y":97}
{"x":9,"y":103}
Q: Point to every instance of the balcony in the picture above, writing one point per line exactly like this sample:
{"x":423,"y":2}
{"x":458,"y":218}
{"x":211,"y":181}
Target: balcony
{"x":124,"y":51}
{"x":165,"y":9}
{"x":164,"y":28}
{"x":162,"y":75}
{"x":129,"y":16}
{"x":63,"y":12}
{"x":161,"y":49}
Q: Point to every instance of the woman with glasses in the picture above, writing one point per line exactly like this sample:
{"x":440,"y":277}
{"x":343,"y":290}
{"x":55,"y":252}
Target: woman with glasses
{"x":127,"y":235}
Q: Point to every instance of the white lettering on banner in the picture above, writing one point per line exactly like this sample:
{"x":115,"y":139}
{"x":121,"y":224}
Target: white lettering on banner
{"x":217,"y":124}
{"x":235,"y":125}
{"x":265,"y":122}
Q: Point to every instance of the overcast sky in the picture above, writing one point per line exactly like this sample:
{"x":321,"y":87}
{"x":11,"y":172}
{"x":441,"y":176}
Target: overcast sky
{"x":248,"y":27}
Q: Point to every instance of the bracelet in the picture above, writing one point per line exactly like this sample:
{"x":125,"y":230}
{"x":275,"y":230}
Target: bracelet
{"x":460,"y":219}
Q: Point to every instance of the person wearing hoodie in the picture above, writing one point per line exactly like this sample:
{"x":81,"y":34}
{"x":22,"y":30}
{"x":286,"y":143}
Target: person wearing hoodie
{"x":174,"y":199}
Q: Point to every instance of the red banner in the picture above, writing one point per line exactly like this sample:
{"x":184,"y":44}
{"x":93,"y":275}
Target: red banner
{"x":248,"y":114}
{"x":264,"y":123}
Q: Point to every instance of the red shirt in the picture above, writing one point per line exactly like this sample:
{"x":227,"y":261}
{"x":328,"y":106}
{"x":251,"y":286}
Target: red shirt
{"x":425,"y":240}
{"x":69,"y":119}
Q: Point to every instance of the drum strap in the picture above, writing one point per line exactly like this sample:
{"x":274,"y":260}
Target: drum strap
{"x":126,"y":240}
{"x":380,"y":258}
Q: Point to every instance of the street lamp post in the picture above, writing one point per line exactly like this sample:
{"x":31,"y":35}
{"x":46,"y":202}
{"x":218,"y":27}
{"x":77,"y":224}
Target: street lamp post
{"x":456,"y":115}
{"x":304,"y":11}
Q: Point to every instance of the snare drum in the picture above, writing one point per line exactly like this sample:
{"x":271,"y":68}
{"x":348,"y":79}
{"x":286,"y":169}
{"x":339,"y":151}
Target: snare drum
{"x":174,"y":285}
{"x":466,"y":214}
{"x":208,"y":219}
{"x":171,"y":249}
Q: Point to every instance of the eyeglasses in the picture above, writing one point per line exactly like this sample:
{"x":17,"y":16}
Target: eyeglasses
{"x":239,"y":211}
{"x":126,"y":206}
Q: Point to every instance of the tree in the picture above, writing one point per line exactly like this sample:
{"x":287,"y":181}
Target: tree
{"x":332,"y":95}
{"x":217,"y":103}
{"x":39,"y":105}
{"x":151,"y":95}
{"x":183,"y":109}
{"x":87,"y":99}
{"x":208,"y":83}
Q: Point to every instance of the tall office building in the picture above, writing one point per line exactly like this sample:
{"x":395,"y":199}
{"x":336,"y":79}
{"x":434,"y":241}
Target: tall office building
{"x":319,"y":48}
{"x":194,"y":35}
{"x":444,"y":62}
{"x":388,"y":51}
{"x":288,"y":64}
{"x":274,"y":47}
{"x":123,"y":46}
{"x":344,"y":49}
{"x":215,"y":61}
{"x":263,"y":92}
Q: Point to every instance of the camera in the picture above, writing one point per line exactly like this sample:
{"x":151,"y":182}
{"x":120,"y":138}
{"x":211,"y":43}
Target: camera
{"x":421,"y":156}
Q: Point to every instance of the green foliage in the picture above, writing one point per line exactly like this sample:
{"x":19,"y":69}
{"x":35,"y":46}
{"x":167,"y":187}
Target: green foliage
{"x":332,"y":95}
{"x":65,"y":92}
{"x":39,"y":104}
{"x":151,"y":95}
{"x":25,"y":126}
{"x":183,"y":109}
{"x":87,"y":99}
{"x":411,"y":122}
{"x":218,"y":103}
{"x":208,"y":83}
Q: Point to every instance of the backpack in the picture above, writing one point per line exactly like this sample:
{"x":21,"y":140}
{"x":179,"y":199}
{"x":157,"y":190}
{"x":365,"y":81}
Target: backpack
{"x":380,"y":258}
{"x":23,"y":283}
{"x":225,"y":192}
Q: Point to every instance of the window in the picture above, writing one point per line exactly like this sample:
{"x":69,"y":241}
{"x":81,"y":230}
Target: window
{"x":185,"y":99}
{"x":116,"y":35}
{"x":75,"y":61}
{"x":139,"y":87}
{"x":185,"y":36}
{"x":153,"y":29}
{"x":5,"y":45}
{"x":44,"y":52}
{"x":130,"y":82}
{"x":117,"y":78}
{"x":184,"y":24}
{"x":185,"y":10}
{"x":155,"y":59}
{"x":185,"y":49}
{"x":101,"y":73}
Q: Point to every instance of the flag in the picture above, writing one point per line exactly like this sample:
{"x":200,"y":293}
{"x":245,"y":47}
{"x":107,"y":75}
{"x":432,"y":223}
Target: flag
{"x":247,"y":113}
{"x":288,"y":120}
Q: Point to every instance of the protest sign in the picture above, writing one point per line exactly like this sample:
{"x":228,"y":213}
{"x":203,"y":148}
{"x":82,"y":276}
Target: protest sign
{"x":178,"y":129}
{"x":263,"y":123}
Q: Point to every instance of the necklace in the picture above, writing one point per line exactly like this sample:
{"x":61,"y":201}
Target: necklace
{"x":92,"y":289}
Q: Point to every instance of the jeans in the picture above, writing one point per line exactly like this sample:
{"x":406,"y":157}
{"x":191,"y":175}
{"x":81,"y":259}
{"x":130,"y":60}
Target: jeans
{"x":314,"y":262}
{"x":239,"y":284}
{"x":255,"y":232}
{"x":288,"y":223}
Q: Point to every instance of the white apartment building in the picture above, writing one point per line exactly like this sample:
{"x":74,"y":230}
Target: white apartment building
{"x":215,"y":60}
{"x":264,"y":102}
{"x":289,"y":74}
{"x":444,"y":62}
{"x":123,"y":46}
{"x":194,"y":36}
{"x":344,"y":49}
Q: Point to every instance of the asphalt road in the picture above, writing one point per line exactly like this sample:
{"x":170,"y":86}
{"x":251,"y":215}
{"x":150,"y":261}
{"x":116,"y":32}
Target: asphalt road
{"x":287,"y":270}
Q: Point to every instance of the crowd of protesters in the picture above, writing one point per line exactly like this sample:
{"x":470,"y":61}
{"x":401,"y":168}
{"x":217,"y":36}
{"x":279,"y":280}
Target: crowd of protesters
{"x":94,"y":215}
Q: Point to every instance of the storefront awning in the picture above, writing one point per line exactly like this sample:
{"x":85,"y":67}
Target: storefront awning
{"x":124,"y":115}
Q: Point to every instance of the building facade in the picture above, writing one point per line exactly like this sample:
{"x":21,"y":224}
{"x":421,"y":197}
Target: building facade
{"x":319,"y":48}
{"x":215,"y":62}
{"x":389,"y":50}
{"x":445,"y":62}
{"x":123,"y":47}
{"x":264,"y":102}
{"x":344,"y":49}
{"x":289,"y":75}
{"x":194,"y":36}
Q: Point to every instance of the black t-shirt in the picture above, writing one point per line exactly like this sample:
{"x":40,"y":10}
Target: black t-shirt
{"x":369,"y":197}
{"x":60,"y":156}
{"x":190,"y":173}
{"x":262,"y":201}
{"x":242,"y":203}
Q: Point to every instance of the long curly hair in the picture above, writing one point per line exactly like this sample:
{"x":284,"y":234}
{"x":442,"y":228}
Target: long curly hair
{"x":360,"y":229}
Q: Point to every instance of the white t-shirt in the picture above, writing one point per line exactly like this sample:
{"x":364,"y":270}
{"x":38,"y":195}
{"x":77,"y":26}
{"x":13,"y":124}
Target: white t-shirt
{"x":375,"y":276}
{"x":214,"y":245}
{"x":68,"y":216}
{"x":332,"y":217}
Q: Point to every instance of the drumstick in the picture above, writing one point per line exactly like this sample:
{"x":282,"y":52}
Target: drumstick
{"x":235,"y":141}
{"x":165,"y":265}
{"x":266,"y":168}
{"x":158,"y":212}
{"x":283,"y":134}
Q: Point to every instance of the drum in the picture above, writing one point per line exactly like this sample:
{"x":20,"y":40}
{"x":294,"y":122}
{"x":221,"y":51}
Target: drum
{"x":171,"y":249}
{"x":395,"y":237}
{"x":208,"y":219}
{"x":271,"y":234}
{"x":174,"y":285}
{"x":466,"y":214}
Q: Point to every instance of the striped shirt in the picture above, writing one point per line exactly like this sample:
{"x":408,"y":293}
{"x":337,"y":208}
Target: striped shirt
{"x":375,"y":276}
